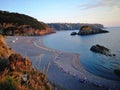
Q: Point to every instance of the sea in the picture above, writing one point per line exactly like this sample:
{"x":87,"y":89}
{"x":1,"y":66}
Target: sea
{"x":94,"y":63}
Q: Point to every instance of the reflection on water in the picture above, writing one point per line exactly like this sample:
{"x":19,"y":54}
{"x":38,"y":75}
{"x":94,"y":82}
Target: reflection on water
{"x":95,"y":63}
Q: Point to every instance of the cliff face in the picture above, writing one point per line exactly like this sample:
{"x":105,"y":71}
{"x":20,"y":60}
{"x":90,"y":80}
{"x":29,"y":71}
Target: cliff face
{"x":20,"y":24}
{"x":17,"y":73}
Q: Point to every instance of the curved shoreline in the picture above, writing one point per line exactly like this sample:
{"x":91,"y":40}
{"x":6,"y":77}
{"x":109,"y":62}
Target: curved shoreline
{"x":84,"y":75}
{"x":67,"y":62}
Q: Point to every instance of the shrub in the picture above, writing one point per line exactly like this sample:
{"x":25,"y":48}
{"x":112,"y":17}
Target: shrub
{"x":3,"y":64}
{"x":14,"y":57}
{"x":8,"y":84}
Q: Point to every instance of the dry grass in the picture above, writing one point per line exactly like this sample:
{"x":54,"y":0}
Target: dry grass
{"x":5,"y":51}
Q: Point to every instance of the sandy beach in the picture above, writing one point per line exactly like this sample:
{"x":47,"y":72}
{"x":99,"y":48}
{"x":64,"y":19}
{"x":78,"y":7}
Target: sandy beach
{"x":57,"y":63}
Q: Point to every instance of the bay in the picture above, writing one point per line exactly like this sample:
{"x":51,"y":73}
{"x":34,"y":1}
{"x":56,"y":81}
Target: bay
{"x":97,"y":64}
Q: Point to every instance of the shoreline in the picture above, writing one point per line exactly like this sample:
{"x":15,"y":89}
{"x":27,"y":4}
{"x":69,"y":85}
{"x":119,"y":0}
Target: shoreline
{"x":67,"y":62}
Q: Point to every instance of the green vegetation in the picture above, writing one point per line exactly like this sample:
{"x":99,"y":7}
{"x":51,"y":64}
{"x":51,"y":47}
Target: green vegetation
{"x":86,"y":28}
{"x":12,"y":24}
{"x":8,"y":83}
{"x":20,"y":19}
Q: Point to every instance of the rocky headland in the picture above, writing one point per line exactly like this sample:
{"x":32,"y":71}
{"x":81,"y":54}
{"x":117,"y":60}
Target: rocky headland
{"x":88,"y":30}
{"x":17,"y":72}
{"x":15,"y":24}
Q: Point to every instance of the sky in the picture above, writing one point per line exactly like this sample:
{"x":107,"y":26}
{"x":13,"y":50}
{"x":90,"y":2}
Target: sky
{"x":106,"y":12}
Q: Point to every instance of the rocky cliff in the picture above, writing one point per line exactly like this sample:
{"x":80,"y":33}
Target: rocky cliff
{"x":20,"y":24}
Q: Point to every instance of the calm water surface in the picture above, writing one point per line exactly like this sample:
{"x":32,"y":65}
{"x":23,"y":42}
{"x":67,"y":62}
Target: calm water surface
{"x":97,"y":64}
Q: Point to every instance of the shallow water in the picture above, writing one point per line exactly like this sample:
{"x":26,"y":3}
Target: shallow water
{"x":95,"y":63}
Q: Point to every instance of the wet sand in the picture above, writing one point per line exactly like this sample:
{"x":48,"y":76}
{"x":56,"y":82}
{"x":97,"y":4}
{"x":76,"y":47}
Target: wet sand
{"x":58,"y":65}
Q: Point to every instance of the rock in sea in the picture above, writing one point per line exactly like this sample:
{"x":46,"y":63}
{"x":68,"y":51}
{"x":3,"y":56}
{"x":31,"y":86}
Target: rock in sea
{"x":102,"y":50}
{"x":73,"y":33}
{"x":88,"y":30}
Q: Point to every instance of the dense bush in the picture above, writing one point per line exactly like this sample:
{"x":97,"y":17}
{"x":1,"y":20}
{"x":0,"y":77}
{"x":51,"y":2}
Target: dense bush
{"x":8,"y":84}
{"x":3,"y":64}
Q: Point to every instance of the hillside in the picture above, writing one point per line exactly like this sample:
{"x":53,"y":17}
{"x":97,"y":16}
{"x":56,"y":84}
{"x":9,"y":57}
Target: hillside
{"x":20,"y":24}
{"x":71,"y":26}
{"x":5,"y":51}
{"x":17,"y":73}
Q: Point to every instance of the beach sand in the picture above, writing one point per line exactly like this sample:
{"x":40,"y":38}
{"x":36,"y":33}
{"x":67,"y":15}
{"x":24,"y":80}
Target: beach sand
{"x":61,"y":67}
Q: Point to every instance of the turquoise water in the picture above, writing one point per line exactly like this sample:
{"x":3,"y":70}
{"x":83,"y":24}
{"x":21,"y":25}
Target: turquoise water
{"x":97,"y":64}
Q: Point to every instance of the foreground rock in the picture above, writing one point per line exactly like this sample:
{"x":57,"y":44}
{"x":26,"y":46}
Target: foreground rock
{"x":102,"y":50}
{"x":87,"y":30}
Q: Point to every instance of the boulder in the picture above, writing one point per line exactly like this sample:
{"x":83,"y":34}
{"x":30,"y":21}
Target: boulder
{"x":87,"y":30}
{"x":73,"y":33}
{"x":102,"y":50}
